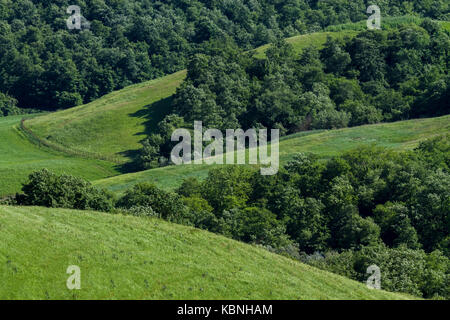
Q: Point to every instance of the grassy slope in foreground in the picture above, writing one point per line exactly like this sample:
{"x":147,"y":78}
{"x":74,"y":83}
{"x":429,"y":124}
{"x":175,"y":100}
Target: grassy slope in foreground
{"x":401,"y":135}
{"x":19,"y":157}
{"x":124,"y":257}
{"x":117,"y":122}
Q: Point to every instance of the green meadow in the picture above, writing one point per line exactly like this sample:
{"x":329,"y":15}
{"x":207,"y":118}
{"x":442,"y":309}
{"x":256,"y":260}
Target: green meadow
{"x":114,"y":124}
{"x":19,"y":157}
{"x":124,"y":257}
{"x":317,"y":39}
{"x":402,"y":135}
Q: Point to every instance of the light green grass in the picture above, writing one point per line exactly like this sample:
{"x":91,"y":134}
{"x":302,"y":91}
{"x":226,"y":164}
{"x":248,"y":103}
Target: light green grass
{"x":113,"y":124}
{"x":387,"y":23}
{"x":19,"y":157}
{"x":402,"y":135}
{"x":317,"y":39}
{"x":123,"y":257}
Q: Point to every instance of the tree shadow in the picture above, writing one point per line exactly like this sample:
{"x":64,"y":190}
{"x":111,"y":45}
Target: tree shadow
{"x":153,"y":114}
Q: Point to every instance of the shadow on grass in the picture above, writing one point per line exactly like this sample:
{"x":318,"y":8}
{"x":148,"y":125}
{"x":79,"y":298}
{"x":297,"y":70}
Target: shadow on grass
{"x":153,"y":114}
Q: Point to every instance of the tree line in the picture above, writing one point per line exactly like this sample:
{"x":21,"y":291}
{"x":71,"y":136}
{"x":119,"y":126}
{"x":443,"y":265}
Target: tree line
{"x":44,"y":65}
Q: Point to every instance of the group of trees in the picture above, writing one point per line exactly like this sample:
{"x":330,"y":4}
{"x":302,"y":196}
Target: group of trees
{"x":367,"y":206}
{"x":376,"y":76}
{"x":44,"y":65}
{"x":47,"y":189}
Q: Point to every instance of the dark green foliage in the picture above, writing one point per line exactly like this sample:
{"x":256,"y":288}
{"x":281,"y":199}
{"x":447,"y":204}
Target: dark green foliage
{"x":435,"y":153}
{"x":201,"y":215}
{"x":370,"y":206}
{"x":150,"y":154}
{"x":156,"y":148}
{"x":8,"y":106}
{"x":396,"y":228}
{"x":190,"y":187}
{"x":47,"y":189}
{"x":165,"y":204}
{"x":256,"y":225}
{"x":349,"y":202}
{"x":228,"y":187}
{"x":402,"y":269}
{"x":376,"y":76}
{"x":45,"y":65}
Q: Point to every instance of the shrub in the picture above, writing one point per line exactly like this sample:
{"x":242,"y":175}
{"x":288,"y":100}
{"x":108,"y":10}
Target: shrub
{"x":201,"y":215}
{"x":141,"y":211}
{"x":8,"y":106}
{"x":168,"y":205}
{"x":330,"y":119}
{"x":256,"y":225}
{"x":47,"y":189}
{"x":402,"y":269}
{"x":190,"y":187}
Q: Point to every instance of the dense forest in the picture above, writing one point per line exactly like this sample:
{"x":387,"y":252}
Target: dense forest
{"x":366,"y":206}
{"x":374,"y":77}
{"x":45,"y":65}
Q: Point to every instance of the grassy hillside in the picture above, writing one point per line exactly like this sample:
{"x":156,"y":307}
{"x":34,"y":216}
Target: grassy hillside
{"x":401,"y":135}
{"x":113,"y":124}
{"x":123,"y":257}
{"x":19,"y":157}
{"x":317,"y":39}
{"x":386,"y":24}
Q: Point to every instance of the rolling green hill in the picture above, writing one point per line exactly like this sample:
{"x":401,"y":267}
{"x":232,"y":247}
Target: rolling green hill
{"x":124,"y":257}
{"x":317,"y":39}
{"x":401,"y":135}
{"x":114,"y":124}
{"x":386,"y":23}
{"x":19,"y":157}
{"x":109,"y":128}
{"x":112,"y":127}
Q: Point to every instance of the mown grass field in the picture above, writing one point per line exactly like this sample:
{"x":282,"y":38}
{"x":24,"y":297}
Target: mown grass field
{"x":19,"y":157}
{"x":402,"y":135}
{"x":124,"y":257}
